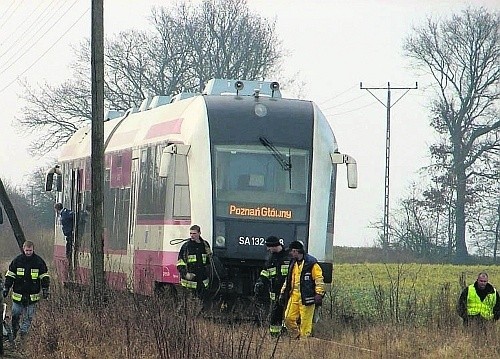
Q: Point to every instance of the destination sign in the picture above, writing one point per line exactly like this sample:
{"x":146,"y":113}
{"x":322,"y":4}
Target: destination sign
{"x":260,"y":212}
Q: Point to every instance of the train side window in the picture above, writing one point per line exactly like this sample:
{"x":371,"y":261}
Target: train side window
{"x":181,"y":203}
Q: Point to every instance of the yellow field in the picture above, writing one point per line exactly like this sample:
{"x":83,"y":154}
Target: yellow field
{"x":408,"y":292}
{"x":424,"y":277}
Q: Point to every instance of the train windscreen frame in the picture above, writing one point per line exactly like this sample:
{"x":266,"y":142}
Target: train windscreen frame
{"x":262,"y":182}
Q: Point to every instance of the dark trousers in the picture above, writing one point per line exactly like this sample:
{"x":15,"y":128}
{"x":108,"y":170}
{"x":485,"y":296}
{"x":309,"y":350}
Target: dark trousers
{"x":276,"y":315}
{"x":69,"y":247}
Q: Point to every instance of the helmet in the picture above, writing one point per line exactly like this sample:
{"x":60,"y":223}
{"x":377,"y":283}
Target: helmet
{"x":272,"y":241}
{"x":298,"y":245}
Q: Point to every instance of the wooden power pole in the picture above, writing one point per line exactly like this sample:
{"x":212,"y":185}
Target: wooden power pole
{"x":11,"y":214}
{"x":97,"y":155}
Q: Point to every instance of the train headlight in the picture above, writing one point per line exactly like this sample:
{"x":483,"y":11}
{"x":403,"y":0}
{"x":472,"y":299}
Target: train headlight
{"x":220,"y":241}
{"x":260,"y":110}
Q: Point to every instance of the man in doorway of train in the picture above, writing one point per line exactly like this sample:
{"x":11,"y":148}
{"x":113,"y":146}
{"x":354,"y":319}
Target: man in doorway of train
{"x":193,"y":263}
{"x":479,"y":303}
{"x":27,"y":276}
{"x":67,"y":217}
{"x":271,"y":280}
{"x":303,"y":290}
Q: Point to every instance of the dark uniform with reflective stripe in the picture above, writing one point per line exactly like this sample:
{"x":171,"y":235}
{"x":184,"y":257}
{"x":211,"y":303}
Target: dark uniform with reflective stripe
{"x":27,"y":275}
{"x":195,"y":258}
{"x":272,"y":277}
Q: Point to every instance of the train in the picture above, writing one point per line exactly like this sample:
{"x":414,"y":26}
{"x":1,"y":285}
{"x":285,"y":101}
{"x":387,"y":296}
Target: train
{"x":238,"y":159}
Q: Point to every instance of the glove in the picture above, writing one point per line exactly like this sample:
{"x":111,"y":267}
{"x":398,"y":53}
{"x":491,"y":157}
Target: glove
{"x":258,"y":289}
{"x":182,"y":271}
{"x":190,"y":276}
{"x":318,"y":299}
{"x":5,"y":293}
{"x":45,"y":293}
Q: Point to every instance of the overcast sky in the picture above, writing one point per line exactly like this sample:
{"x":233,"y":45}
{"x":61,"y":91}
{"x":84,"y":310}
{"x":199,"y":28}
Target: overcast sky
{"x":334,"y":45}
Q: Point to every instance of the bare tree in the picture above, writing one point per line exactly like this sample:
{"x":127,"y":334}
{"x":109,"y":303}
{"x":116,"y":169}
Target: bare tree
{"x":186,"y":46}
{"x":462,"y":54}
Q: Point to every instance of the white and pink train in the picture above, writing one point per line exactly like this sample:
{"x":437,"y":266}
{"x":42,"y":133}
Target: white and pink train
{"x":238,"y":160}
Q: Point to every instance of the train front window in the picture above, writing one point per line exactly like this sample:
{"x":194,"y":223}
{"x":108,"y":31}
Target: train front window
{"x":262,"y":182}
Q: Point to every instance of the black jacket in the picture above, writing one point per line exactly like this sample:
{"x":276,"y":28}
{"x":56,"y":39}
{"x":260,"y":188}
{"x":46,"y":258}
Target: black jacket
{"x":199,"y":266}
{"x":27,"y":276}
{"x":275,"y":271}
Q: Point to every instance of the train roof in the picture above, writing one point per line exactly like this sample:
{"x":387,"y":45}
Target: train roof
{"x":161,"y":119}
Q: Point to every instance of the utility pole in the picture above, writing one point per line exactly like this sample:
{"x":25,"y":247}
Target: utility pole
{"x":387,"y":146}
{"x":11,"y":214}
{"x":97,"y":155}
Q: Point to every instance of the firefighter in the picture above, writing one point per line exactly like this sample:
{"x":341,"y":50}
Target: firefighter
{"x":303,"y":290}
{"x":27,"y":275}
{"x":193,"y":263}
{"x":271,"y":280}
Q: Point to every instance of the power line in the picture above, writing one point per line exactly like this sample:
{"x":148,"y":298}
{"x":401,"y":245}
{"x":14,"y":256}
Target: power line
{"x":37,"y":40}
{"x":29,"y":27}
{"x":337,"y":95}
{"x":349,"y":111}
{"x":7,"y":15}
{"x":44,"y":53}
{"x":387,"y":146}
{"x":344,"y":103}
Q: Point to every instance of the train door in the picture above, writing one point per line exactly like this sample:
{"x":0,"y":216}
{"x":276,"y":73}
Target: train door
{"x":134,"y":190}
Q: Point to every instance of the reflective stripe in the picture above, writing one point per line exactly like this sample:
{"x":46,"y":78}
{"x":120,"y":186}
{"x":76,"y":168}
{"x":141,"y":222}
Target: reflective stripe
{"x":284,"y":269}
{"x":44,"y":275}
{"x":34,"y":273}
{"x":17,"y":297}
{"x":188,"y":284}
{"x":204,"y":258}
{"x":35,"y":297}
{"x":191,"y":258}
{"x":264,"y":273}
{"x":272,"y":271}
{"x":20,"y":272}
{"x":10,"y":274}
{"x":206,"y":282}
{"x":273,"y":329}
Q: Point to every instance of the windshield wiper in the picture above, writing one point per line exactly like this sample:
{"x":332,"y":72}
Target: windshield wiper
{"x":285,"y":163}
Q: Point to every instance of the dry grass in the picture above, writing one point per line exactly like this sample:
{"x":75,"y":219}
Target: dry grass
{"x":134,"y":327}
{"x":66,"y":326}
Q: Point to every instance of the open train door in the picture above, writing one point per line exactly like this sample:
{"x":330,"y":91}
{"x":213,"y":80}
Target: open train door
{"x":134,"y":190}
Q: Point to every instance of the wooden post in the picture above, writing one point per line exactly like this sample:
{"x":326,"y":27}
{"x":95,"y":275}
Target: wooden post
{"x":97,"y":155}
{"x":11,"y":214}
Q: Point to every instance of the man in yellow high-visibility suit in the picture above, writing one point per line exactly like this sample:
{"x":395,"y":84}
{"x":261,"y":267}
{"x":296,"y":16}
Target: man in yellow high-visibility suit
{"x":304,"y":289}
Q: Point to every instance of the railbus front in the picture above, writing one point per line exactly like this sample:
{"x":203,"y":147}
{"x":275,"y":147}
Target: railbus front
{"x":243,"y":164}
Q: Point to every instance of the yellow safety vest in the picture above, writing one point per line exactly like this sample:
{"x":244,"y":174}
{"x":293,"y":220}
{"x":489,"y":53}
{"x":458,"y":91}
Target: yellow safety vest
{"x":484,"y":308}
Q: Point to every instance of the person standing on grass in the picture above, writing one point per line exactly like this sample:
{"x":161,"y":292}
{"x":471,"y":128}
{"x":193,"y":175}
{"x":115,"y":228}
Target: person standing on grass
{"x":271,"y":279}
{"x":479,"y":303}
{"x":193,"y":263}
{"x":27,"y":276}
{"x":303,"y":289}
